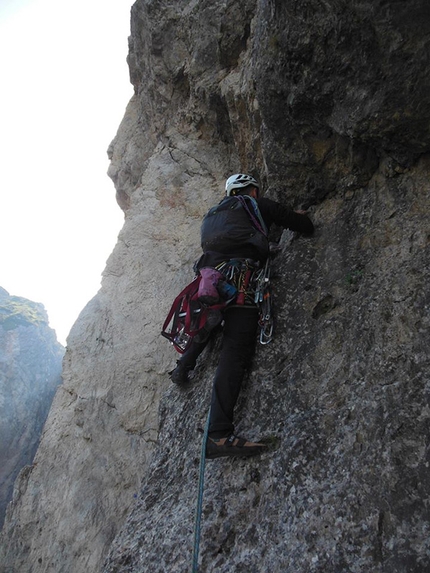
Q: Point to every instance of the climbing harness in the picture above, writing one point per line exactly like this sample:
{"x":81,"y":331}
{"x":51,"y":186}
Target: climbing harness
{"x":244,"y":283}
{"x":197,"y":525}
{"x":239,"y":273}
{"x":253,"y":286}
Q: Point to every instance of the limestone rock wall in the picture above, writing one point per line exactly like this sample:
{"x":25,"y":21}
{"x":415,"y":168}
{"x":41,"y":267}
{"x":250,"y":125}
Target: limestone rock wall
{"x":325,"y":102}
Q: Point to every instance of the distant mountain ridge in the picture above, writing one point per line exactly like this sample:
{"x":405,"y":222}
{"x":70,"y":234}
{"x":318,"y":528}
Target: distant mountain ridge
{"x":30,"y":371}
{"x":16,"y":310}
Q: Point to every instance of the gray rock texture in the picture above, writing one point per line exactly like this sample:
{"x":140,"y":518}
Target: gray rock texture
{"x":30,"y":372}
{"x":326,"y":103}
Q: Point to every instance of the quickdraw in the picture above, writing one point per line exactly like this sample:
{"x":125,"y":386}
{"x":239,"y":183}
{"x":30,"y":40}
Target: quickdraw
{"x":262,"y":299}
{"x":240,"y":273}
{"x":253,"y":286}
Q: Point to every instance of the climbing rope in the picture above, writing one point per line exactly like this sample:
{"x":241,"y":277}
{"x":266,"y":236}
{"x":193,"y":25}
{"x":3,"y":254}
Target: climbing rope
{"x":200,"y":499}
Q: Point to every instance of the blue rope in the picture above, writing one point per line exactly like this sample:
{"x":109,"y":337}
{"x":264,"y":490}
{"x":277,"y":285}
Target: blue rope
{"x":200,"y":499}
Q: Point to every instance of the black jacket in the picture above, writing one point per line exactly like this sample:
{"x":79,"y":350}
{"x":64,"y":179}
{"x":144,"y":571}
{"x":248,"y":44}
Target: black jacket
{"x":272,"y":212}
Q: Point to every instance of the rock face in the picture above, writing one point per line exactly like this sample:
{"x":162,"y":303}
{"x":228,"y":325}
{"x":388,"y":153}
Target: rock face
{"x":326,"y":103}
{"x":30,"y":371}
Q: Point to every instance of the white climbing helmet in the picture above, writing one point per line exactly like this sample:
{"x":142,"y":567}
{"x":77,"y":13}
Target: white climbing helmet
{"x":237,"y":181}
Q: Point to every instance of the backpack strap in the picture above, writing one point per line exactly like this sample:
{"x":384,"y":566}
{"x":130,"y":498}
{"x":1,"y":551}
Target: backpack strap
{"x":256,"y":218}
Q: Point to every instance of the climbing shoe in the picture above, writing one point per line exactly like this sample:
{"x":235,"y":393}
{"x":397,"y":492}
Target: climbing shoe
{"x":232,"y":446}
{"x":180,"y":374}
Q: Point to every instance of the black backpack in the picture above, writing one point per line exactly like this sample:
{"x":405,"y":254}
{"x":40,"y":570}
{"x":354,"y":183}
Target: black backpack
{"x":235,"y":222}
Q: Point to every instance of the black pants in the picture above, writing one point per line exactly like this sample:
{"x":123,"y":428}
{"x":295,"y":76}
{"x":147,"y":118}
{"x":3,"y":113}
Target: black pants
{"x":237,"y":350}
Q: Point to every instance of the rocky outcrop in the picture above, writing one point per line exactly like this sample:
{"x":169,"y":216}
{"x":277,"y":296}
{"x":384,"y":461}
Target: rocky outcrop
{"x":324,"y":102}
{"x":30,"y":371}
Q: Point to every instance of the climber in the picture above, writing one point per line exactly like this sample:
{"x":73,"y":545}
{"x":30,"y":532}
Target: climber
{"x":235,"y":244}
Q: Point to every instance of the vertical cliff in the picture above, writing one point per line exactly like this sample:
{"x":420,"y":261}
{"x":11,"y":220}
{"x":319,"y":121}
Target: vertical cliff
{"x":30,"y":371}
{"x":326,"y":103}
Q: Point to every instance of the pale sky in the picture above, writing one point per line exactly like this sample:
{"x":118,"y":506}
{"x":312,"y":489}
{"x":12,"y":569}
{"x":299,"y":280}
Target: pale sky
{"x":64,"y":89}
